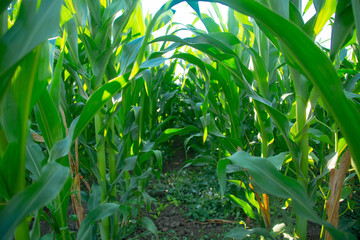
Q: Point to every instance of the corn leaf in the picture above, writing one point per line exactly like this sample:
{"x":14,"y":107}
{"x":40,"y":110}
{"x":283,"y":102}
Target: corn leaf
{"x":4,"y":5}
{"x":79,"y":9}
{"x":52,"y":179}
{"x":15,"y":111}
{"x":244,"y":205}
{"x":356,"y":9}
{"x":101,"y":211}
{"x":32,"y":27}
{"x":242,"y":233}
{"x":210,"y":24}
{"x":94,"y":16}
{"x":168,"y":133}
{"x":56,"y":82}
{"x":71,"y":43}
{"x":34,"y":157}
{"x":324,"y":15}
{"x":343,"y":27}
{"x":221,"y":172}
{"x":129,"y":52}
{"x":149,"y":225}
{"x":97,"y":100}
{"x":48,"y":119}
{"x":267,"y":179}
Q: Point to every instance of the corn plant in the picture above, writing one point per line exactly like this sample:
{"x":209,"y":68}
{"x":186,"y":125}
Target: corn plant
{"x":29,"y":70}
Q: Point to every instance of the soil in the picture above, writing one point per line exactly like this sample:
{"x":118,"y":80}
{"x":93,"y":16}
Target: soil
{"x":172,"y":224}
{"x":313,"y":231}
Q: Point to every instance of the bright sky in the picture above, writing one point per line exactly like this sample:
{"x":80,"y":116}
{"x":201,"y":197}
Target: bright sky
{"x":184,"y":14}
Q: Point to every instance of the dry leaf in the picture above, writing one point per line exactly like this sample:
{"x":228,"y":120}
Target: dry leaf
{"x":336,"y":181}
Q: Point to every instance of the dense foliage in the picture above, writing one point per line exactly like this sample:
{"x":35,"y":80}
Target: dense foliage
{"x":92,"y":106}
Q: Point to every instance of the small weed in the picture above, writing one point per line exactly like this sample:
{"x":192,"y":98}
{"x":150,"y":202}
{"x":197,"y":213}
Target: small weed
{"x":202,"y":201}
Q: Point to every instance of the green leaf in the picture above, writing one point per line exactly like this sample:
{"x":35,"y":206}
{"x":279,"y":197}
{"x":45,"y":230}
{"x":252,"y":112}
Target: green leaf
{"x":324,"y":15}
{"x":80,"y":12}
{"x":128,"y":54}
{"x":4,"y":5}
{"x":241,"y":233}
{"x":102,"y":211}
{"x":95,"y":197}
{"x":112,"y":9}
{"x":34,"y":157}
{"x":227,"y":38}
{"x":3,"y":189}
{"x":147,"y":36}
{"x":62,"y":147}
{"x":130,"y":164}
{"x":267,"y":177}
{"x":149,"y":225}
{"x":219,"y":15}
{"x":56,"y":82}
{"x":342,"y":28}
{"x":202,"y":161}
{"x":213,"y":129}
{"x":210,"y":24}
{"x":32,"y":27}
{"x":168,"y":133}
{"x":244,"y":205}
{"x":35,"y":231}
{"x":153,"y":62}
{"x":94,"y":11}
{"x":102,"y":36}
{"x":295,"y":16}
{"x":165,"y":19}
{"x":43,"y":74}
{"x":121,"y":22}
{"x":356,"y":10}
{"x":52,"y":179}
{"x":97,"y":100}
{"x":281,"y":7}
{"x":71,"y":43}
{"x":221,"y":172}
{"x":99,"y":67}
{"x":319,"y":135}
{"x":278,"y":160}
{"x":65,"y":15}
{"x":91,"y":49}
{"x":194,"y":5}
{"x":15,"y":111}
{"x":260,"y":72}
{"x":48,"y":120}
